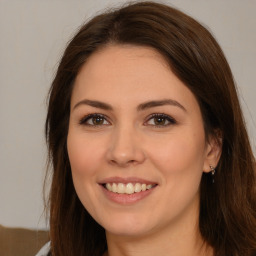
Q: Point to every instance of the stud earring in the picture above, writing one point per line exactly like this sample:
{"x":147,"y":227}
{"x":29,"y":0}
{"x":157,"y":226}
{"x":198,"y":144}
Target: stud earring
{"x":213,"y":170}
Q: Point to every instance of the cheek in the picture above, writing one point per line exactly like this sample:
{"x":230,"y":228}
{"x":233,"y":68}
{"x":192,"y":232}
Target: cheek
{"x":84,"y":160}
{"x":84,"y":155}
{"x":180,"y":154}
{"x":180,"y":161}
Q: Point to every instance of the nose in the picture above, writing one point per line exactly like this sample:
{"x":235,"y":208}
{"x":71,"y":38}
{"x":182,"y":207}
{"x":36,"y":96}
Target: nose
{"x":125,"y":148}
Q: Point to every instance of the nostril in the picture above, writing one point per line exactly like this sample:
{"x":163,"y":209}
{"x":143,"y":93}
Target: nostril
{"x":123,"y":162}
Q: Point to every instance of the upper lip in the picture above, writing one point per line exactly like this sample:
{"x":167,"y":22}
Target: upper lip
{"x":126,"y":180}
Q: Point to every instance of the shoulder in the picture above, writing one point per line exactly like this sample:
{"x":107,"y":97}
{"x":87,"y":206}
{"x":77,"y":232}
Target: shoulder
{"x":44,"y":250}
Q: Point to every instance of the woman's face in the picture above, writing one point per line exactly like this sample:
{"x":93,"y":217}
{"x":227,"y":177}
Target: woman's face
{"x":136,"y":143}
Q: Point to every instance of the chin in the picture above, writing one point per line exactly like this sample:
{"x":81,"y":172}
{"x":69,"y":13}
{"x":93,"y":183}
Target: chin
{"x":128,"y":226}
{"x":127,"y":231}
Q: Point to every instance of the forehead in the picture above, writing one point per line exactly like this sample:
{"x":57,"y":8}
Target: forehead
{"x":129,"y":73}
{"x":116,"y":59}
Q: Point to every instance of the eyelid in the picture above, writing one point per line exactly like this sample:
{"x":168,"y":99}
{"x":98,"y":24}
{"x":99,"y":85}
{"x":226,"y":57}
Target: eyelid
{"x":84,"y":119}
{"x":170,"y":119}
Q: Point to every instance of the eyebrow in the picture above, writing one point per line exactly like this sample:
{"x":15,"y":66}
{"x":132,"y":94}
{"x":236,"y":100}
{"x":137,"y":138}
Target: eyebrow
{"x":158,"y":103}
{"x":94,"y":103}
{"x":141,"y":107}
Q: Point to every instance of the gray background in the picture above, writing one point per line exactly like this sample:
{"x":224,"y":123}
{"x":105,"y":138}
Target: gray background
{"x":33,"y":35}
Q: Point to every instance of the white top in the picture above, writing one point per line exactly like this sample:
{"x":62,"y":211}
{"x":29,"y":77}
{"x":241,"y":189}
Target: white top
{"x":44,"y":250}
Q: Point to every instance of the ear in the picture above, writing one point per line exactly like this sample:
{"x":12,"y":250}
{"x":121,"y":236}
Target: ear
{"x":213,"y":151}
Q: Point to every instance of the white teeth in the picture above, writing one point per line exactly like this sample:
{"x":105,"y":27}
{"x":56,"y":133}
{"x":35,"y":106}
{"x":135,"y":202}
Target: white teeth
{"x":128,"y":188}
{"x":108,"y":186}
{"x":120,"y":188}
{"x":149,"y":186}
{"x":114,"y":188}
{"x":137,"y":187}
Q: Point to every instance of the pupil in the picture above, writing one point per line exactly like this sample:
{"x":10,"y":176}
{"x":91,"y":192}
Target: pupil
{"x":97,"y":120}
{"x":159,"y":120}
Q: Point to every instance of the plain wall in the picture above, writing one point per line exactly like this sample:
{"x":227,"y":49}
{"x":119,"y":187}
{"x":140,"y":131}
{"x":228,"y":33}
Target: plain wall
{"x":33,"y":35}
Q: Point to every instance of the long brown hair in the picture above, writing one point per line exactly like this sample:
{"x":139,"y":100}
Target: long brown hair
{"x":227,"y":218}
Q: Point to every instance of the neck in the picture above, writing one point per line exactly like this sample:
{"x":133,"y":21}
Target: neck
{"x":148,"y":246}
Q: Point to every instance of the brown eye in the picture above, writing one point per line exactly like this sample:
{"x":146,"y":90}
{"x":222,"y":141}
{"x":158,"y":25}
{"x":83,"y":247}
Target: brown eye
{"x":94,"y":120}
{"x":160,"y":120}
{"x":97,"y":120}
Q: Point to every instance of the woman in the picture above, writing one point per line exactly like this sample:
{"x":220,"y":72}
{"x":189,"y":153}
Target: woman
{"x":147,"y":141}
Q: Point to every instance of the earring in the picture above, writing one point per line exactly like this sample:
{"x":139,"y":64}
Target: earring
{"x":213,"y":170}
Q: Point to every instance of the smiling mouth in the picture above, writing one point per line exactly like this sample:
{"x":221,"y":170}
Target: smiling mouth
{"x":129,"y":188}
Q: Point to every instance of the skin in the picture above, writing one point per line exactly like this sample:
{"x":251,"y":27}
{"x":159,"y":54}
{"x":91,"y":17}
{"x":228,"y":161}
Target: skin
{"x":128,"y":142}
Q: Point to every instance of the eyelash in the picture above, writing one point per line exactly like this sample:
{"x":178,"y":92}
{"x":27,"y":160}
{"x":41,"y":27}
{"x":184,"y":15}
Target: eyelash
{"x":84,"y":120}
{"x":164,"y":117}
{"x":170,"y":120}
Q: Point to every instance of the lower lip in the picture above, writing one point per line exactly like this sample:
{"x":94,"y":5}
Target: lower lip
{"x":126,"y":199}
